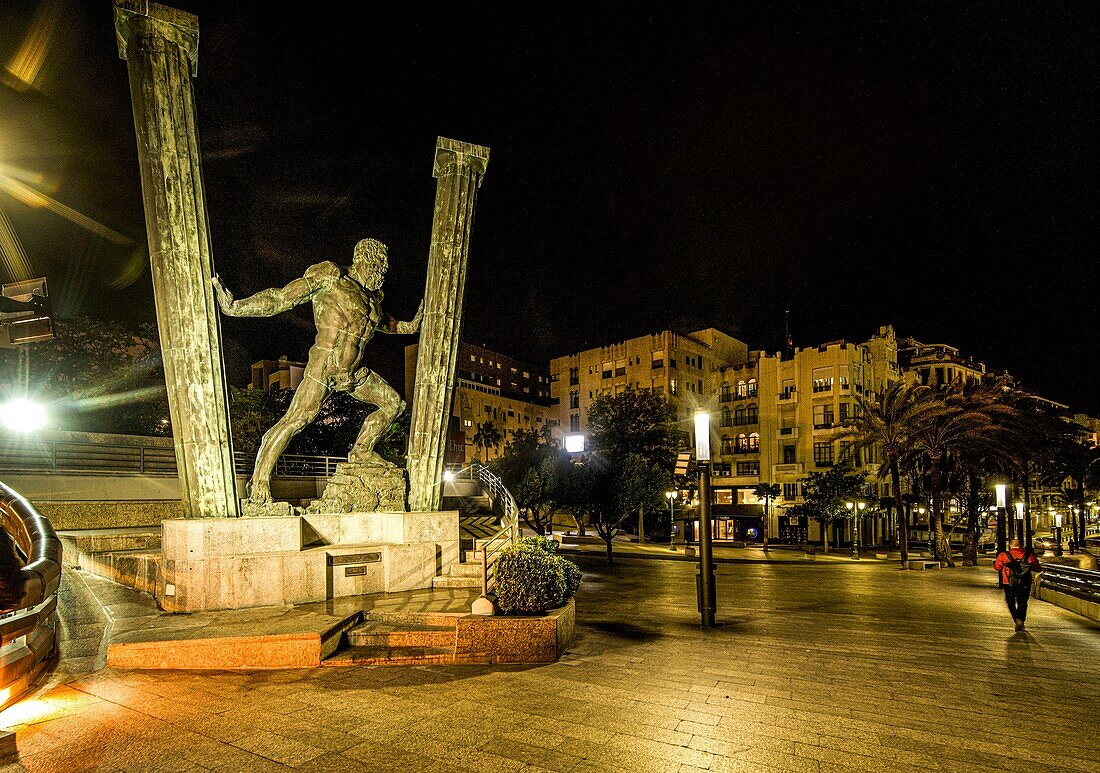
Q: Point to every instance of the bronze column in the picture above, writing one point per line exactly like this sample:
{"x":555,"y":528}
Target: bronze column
{"x":459,"y":168}
{"x":160,"y":46}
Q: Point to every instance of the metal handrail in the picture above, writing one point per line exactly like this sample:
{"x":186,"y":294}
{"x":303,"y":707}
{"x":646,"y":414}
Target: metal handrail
{"x":27,"y":633}
{"x":495,"y":488}
{"x":1081,"y":583}
{"x":492,"y":548}
{"x":114,"y":458}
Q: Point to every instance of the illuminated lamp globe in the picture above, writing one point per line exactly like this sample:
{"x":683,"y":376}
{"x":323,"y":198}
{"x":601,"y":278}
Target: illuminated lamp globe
{"x":23,"y":415}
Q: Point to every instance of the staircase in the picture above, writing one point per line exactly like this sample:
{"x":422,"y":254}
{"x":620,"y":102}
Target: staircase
{"x":402,"y":639}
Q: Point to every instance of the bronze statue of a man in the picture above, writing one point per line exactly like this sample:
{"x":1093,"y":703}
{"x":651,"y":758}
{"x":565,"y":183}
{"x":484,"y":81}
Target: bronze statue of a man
{"x":347,"y":310}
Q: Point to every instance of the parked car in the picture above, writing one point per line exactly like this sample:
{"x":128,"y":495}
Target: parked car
{"x":1045,"y":543}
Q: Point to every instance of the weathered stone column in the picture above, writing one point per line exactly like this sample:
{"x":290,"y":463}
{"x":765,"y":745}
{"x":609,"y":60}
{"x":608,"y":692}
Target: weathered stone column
{"x":459,"y":167}
{"x":160,"y":46}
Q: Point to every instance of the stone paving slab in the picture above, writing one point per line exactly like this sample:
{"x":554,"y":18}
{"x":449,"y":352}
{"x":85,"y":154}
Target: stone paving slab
{"x":827,"y":667}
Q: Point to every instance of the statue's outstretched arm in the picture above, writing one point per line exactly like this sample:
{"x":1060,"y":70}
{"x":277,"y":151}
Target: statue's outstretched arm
{"x":391,"y":325}
{"x":268,"y":303}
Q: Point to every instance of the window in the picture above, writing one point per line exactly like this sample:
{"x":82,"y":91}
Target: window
{"x":748,"y":468}
{"x":607,"y":370}
{"x":658,"y":363}
{"x":823,"y":454}
{"x":789,"y":455}
{"x":700,"y":390}
{"x":752,"y":415}
{"x":842,"y":375}
{"x":620,"y":368}
{"x":823,"y":379}
{"x":699,"y":362}
{"x":727,"y":445}
{"x":844,"y":411}
{"x":672,"y":362}
{"x":574,"y":376}
{"x":742,"y":443}
{"x":788,"y":389}
{"x":823,"y":416}
{"x":726,"y":416}
{"x":754,"y":441}
{"x":672,"y":386}
{"x":790,"y":490}
{"x":574,"y":423}
{"x":742,"y":389}
{"x":724,"y":394}
{"x":751,"y":388}
{"x":574,"y":399}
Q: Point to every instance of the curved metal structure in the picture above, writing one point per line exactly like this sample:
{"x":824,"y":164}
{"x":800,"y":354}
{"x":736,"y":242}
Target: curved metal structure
{"x":27,"y":633}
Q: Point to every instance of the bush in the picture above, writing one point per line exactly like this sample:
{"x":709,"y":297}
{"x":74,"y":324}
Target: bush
{"x":531,"y":578}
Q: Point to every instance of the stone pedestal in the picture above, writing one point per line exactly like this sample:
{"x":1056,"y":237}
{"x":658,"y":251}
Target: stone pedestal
{"x":232,"y":563}
{"x":459,"y":168}
{"x":160,"y":46}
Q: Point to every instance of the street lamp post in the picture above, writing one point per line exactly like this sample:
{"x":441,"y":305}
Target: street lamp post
{"x":1057,"y":534}
{"x":855,"y":508}
{"x":1021,"y":532}
{"x":922,"y":510}
{"x":671,"y":497}
{"x":1001,"y":491}
{"x":706,"y":589}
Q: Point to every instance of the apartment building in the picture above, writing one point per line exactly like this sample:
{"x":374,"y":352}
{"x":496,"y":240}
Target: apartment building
{"x":676,"y":365}
{"x":937,"y":365}
{"x":779,"y":417}
{"x":490,"y":388}
{"x":282,"y":373}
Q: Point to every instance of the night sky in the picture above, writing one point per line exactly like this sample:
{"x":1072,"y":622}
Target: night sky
{"x":920,"y":164}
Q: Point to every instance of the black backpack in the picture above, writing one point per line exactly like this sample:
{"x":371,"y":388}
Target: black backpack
{"x":1019,"y":571}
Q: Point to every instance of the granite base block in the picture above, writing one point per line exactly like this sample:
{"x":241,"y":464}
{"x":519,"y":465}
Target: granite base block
{"x":505,"y":639}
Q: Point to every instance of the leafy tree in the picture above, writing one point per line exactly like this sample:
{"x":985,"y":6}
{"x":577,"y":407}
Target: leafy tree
{"x":767,"y":492}
{"x":635,"y":422}
{"x":824,"y":495}
{"x":617,"y":488}
{"x":531,"y":467}
{"x":640,"y":423}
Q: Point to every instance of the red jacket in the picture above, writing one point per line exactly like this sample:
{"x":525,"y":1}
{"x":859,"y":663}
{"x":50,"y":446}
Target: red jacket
{"x":1001,"y":564}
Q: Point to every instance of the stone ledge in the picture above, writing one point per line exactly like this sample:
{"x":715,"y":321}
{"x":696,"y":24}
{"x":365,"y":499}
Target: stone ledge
{"x":1083,"y":607}
{"x":200,"y":649}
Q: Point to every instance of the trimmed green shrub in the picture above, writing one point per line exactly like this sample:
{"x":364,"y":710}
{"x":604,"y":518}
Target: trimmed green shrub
{"x":531,"y":578}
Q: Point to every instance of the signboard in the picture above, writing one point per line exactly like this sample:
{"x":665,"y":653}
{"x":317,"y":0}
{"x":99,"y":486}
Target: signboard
{"x":683,"y":459}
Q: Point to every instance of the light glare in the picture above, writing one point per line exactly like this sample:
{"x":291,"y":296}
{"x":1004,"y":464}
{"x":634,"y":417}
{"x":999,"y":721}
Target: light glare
{"x":23,"y":415}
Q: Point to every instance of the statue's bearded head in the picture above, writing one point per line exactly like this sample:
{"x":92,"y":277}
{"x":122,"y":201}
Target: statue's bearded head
{"x":370,"y":262}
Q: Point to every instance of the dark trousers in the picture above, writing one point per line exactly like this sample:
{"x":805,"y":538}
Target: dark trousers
{"x":1016,"y":599}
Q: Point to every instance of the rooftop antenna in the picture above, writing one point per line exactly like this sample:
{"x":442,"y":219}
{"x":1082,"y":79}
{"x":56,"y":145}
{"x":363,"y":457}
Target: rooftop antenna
{"x":788,"y":342}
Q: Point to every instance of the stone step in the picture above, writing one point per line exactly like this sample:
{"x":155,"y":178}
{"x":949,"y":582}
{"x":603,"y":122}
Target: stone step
{"x":405,"y":618}
{"x":403,"y":656}
{"x":466,"y":570}
{"x":450,"y":581}
{"x":391,"y":635}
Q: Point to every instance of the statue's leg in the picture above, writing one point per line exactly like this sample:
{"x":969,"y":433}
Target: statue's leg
{"x":390,"y":405}
{"x":304,"y":407}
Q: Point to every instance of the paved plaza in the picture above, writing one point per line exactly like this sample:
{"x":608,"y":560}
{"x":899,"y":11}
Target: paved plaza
{"x":814,"y":667}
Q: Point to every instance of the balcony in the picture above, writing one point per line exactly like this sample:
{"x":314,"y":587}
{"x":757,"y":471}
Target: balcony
{"x":788,"y":397}
{"x":788,"y":432}
{"x":825,"y":425}
{"x":822,"y":388}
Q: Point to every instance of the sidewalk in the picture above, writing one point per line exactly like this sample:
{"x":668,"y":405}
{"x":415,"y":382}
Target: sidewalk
{"x":722,"y":554}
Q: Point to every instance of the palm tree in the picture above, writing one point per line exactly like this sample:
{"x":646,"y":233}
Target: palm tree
{"x":487,"y":435}
{"x":890,"y":424}
{"x":767,"y":492}
{"x":948,"y":431}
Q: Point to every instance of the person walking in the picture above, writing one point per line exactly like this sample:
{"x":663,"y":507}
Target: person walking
{"x":1017,"y":568}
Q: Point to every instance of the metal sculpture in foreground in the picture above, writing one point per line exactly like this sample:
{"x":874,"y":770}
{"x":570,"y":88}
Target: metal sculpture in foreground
{"x":347,"y":311}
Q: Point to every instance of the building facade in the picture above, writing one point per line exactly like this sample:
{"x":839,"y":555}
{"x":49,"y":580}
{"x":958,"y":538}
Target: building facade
{"x":490,"y":389}
{"x":675,"y":365}
{"x":282,"y":373}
